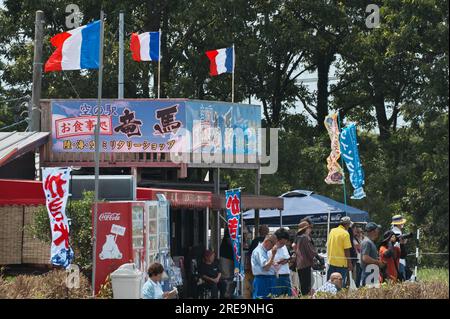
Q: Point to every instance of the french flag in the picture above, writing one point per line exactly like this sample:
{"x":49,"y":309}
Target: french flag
{"x":75,"y":49}
{"x":221,"y":61}
{"x":145,"y":46}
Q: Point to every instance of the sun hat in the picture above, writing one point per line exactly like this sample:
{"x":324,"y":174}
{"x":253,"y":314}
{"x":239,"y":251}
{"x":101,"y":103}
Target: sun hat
{"x":398,"y":220}
{"x":302,"y":226}
{"x":372,"y":226}
{"x":387,"y":236}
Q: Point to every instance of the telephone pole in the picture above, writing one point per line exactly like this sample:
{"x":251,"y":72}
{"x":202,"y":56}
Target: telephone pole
{"x":37,"y":72}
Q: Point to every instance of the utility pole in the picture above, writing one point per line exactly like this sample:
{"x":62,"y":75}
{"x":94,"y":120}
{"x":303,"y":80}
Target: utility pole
{"x":37,"y":72}
{"x":97,"y":150}
{"x":121,"y":66}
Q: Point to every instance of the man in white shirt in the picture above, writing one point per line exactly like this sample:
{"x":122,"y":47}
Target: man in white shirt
{"x":281,"y":264}
{"x":264,"y":275}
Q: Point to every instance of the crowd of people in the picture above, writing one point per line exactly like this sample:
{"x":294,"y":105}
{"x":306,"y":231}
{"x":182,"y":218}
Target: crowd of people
{"x":282,"y":263}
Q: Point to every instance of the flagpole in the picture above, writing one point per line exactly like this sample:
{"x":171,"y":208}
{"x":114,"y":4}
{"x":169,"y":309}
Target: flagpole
{"x":342,"y":163}
{"x":159,"y":64}
{"x":232,"y":76}
{"x":97,"y":152}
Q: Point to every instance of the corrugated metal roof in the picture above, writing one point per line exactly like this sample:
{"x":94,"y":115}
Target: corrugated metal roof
{"x":15,"y":144}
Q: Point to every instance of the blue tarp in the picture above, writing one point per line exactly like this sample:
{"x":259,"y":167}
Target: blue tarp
{"x":299,"y":204}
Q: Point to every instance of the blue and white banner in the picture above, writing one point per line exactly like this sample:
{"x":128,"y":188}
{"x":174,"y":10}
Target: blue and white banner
{"x":233,"y":206}
{"x":56,"y":189}
{"x":349,"y":152}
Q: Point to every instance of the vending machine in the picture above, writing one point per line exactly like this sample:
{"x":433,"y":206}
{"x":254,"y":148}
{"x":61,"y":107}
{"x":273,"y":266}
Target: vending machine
{"x":121,"y":237}
{"x":158,"y":240}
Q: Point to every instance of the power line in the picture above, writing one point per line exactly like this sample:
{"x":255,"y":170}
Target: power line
{"x":16,"y":99}
{"x":14,"y":124}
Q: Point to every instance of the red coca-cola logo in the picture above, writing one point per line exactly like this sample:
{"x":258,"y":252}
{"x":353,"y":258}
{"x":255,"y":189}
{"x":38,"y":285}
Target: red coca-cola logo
{"x":108,"y":217}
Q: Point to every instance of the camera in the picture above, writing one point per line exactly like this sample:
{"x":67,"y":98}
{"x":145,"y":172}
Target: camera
{"x":405,"y":236}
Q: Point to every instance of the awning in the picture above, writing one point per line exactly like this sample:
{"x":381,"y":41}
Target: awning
{"x":21,"y":192}
{"x":15,"y":144}
{"x":250,"y":202}
{"x":177,"y":198}
{"x":299,"y":204}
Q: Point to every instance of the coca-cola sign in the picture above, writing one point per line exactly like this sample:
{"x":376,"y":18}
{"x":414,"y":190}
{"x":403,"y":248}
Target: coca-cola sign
{"x":109,"y":217}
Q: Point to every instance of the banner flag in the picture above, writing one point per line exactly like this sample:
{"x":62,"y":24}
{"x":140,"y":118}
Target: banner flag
{"x":233,"y":206}
{"x":56,"y":189}
{"x":349,"y":149}
{"x":335,"y":171}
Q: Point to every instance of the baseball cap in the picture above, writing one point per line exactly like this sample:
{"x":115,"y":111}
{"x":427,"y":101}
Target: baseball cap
{"x":346,"y":220}
{"x":372,"y":226}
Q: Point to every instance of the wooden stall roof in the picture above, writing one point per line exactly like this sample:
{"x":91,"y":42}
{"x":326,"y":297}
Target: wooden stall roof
{"x":250,"y":202}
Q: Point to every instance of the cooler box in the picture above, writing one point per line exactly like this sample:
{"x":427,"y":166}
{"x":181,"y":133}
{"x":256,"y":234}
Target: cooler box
{"x":126,"y":282}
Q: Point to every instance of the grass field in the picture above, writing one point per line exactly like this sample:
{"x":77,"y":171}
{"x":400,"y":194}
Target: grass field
{"x":432,"y":283}
{"x":433,"y":274}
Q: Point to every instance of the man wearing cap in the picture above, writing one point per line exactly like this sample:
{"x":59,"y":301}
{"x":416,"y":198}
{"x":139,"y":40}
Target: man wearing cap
{"x":262,"y":269}
{"x":369,"y":252}
{"x":338,"y":249}
{"x":398,"y":223}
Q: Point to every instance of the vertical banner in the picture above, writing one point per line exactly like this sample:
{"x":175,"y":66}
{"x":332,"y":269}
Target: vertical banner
{"x":233,"y":205}
{"x":335,"y":171}
{"x":349,"y":150}
{"x":56,"y":189}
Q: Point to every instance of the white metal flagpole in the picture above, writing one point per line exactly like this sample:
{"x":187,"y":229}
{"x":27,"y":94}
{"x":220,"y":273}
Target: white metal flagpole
{"x":97,"y":151}
{"x":159,"y":64}
{"x":232,"y":76}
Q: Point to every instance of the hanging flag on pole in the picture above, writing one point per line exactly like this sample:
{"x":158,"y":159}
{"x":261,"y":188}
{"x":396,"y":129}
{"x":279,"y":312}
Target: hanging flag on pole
{"x":349,"y":150}
{"x":55,"y":182}
{"x":146,"y":46}
{"x":75,"y":49}
{"x":233,"y":206}
{"x":335,"y":171}
{"x":221,"y":61}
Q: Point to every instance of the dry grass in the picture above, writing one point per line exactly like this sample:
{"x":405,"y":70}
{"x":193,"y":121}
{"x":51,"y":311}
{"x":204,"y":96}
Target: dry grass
{"x":406,"y":290}
{"x":51,"y":285}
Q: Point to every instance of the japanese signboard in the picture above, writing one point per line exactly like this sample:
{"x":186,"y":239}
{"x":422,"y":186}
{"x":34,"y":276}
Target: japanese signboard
{"x":233,"y":206}
{"x":155,"y":126}
{"x":56,"y":189}
{"x":349,"y":150}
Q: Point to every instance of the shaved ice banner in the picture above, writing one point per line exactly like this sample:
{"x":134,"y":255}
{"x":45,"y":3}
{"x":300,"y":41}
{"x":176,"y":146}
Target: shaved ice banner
{"x":175,"y":125}
{"x":56,"y":189}
{"x":335,"y":171}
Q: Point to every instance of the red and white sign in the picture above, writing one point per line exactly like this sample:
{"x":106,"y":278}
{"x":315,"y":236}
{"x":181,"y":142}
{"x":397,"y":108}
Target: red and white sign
{"x":56,"y":188}
{"x":82,"y":125}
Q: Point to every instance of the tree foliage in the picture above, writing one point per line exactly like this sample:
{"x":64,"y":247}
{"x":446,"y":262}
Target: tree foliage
{"x":391,"y":80}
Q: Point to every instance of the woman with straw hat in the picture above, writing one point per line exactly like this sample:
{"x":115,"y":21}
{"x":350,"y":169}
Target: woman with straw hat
{"x":305,"y":253}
